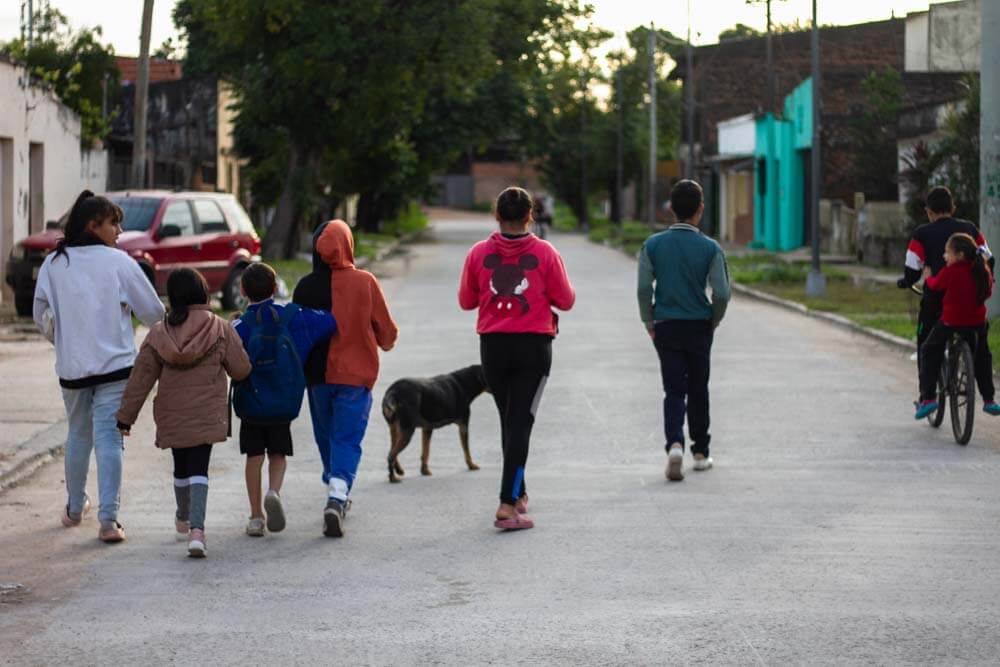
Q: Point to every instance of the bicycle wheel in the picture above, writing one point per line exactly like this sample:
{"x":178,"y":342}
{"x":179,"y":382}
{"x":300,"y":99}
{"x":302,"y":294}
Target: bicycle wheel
{"x":936,"y":418}
{"x":962,"y":391}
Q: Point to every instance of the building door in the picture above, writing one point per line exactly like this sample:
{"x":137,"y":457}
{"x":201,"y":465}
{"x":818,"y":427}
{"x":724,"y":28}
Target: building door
{"x":806,"y":157}
{"x":6,"y":207}
{"x":36,"y":188}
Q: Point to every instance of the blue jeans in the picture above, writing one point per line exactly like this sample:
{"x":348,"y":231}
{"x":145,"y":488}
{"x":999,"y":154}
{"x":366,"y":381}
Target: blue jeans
{"x":92,"y":426}
{"x":340,"y":418}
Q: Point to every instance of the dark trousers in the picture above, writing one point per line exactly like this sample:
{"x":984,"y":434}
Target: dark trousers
{"x":516,"y":367}
{"x":932,"y":356}
{"x":685,"y":350}
{"x":930,"y":315}
{"x":191,"y":461}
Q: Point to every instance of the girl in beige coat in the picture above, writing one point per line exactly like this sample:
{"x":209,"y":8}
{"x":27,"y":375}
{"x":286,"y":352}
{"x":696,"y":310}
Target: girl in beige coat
{"x":190,"y":353}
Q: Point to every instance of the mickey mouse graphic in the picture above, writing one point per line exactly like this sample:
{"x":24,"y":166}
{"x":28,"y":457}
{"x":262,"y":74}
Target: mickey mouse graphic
{"x":509,"y":283}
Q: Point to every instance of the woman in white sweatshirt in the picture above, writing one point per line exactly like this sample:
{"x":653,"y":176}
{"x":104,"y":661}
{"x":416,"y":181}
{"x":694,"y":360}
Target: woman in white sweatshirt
{"x":87,"y":291}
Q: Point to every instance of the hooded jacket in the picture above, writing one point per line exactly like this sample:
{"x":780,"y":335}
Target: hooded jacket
{"x":515,"y":282}
{"x":358,"y":305}
{"x":191,"y":362}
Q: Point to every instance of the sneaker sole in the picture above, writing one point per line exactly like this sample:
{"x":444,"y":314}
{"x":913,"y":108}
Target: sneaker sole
{"x":196,"y":550}
{"x":275,"y":514}
{"x":675,"y":468}
{"x":331,"y":525}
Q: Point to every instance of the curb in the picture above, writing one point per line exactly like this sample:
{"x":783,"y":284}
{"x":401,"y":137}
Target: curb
{"x":843,"y":322}
{"x":29,"y":457}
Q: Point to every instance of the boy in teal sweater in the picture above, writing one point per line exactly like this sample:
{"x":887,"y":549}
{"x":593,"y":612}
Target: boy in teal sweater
{"x":675,"y":267}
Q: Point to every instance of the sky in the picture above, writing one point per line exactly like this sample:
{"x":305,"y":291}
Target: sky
{"x":120,"y":19}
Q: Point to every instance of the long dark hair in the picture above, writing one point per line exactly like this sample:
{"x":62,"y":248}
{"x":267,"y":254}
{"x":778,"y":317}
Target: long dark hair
{"x":965,"y":245}
{"x":86,"y":208}
{"x":185,"y":288}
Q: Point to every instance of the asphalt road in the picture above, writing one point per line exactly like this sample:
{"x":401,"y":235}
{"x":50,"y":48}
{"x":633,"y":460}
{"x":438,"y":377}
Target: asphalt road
{"x":832,"y":530}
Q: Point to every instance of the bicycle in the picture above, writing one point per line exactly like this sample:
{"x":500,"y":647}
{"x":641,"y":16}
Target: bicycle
{"x":956,"y":386}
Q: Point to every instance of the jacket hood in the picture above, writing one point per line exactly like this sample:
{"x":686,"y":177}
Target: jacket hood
{"x":506,"y":247}
{"x":318,"y":263}
{"x":335,"y":245}
{"x":192,"y":341}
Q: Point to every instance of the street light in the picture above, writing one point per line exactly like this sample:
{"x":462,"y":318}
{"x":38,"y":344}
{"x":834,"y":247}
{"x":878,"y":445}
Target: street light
{"x":689,"y":94}
{"x":815,"y":282}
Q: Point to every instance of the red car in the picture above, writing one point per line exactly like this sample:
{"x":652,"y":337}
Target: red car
{"x":162,"y":231}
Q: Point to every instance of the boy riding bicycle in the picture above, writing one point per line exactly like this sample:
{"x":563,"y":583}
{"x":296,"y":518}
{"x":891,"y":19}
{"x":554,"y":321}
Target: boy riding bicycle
{"x":926,"y":251}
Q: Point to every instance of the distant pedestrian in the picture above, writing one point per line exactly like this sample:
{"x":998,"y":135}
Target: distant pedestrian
{"x":675,"y":267}
{"x":190,"y":353}
{"x":340,"y":375}
{"x":278,"y":339}
{"x":515,"y":279}
{"x":86,"y":294}
{"x":963,"y":285}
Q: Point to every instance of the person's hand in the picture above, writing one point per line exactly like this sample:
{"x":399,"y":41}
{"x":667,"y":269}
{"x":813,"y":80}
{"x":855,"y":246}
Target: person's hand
{"x":125,"y":429}
{"x":652,"y":333}
{"x":927,"y":272}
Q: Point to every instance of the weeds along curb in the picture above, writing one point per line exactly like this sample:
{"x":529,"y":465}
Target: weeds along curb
{"x":896,"y":341}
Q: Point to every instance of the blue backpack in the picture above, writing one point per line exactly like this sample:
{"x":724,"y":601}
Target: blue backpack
{"x":272,"y":394}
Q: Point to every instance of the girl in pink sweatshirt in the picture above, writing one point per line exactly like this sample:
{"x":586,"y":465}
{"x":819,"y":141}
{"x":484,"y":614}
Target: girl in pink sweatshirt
{"x":514,"y":279}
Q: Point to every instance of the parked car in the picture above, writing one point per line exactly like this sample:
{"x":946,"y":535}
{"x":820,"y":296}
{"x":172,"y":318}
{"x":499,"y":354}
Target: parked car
{"x":162,"y":231}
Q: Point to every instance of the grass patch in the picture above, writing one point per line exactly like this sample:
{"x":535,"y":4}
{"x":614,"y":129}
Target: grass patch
{"x":410,"y":220}
{"x":291,"y":270}
{"x":563,"y":218}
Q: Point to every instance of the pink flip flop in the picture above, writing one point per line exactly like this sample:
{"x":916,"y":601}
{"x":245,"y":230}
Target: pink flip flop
{"x":522,"y":505}
{"x":516,"y":522}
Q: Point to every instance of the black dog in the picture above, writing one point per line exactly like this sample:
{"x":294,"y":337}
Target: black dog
{"x":430,"y":403}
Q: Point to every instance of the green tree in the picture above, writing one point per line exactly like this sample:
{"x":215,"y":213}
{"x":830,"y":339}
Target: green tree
{"x":356,"y":96}
{"x":739,"y":31}
{"x":75,"y":64}
{"x":872,"y":130}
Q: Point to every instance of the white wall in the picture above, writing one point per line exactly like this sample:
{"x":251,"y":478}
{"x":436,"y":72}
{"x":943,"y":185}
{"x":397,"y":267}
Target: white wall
{"x":32,"y":114}
{"x":916,"y":42}
{"x":738,"y":136}
{"x":945,"y":38}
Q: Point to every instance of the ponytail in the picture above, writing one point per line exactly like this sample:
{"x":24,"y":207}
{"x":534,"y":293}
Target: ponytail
{"x":981,"y":276}
{"x":87,"y":207}
{"x":185,"y":288}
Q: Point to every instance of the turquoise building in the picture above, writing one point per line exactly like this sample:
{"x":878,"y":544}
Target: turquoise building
{"x":782,"y":173}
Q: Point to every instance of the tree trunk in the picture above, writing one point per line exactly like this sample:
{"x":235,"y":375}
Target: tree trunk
{"x":279,"y":239}
{"x":369,"y":212}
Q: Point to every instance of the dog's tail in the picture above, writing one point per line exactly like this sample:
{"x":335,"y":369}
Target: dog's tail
{"x":389,"y":408}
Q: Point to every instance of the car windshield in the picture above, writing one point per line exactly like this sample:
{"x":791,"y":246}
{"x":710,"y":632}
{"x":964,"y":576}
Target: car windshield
{"x":139,"y":212}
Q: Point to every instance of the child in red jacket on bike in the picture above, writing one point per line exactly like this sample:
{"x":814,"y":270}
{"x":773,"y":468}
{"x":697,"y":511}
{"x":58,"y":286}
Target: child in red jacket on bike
{"x":966,"y":284}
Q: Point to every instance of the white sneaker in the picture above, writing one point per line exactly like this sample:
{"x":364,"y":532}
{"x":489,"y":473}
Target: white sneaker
{"x":255,"y":527}
{"x":675,"y":462}
{"x":196,"y":545}
{"x":702,"y":462}
{"x":274,"y":511}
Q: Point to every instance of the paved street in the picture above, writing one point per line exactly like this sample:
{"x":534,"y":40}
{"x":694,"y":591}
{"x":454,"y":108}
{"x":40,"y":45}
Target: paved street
{"x":833,"y":528}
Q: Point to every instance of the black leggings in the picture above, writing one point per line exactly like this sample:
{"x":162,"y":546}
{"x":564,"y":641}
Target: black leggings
{"x":192,"y":462}
{"x":516,"y":368}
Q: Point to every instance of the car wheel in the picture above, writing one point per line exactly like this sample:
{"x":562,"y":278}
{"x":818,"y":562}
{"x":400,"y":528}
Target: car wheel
{"x":232,"y":297}
{"x":23,"y":303}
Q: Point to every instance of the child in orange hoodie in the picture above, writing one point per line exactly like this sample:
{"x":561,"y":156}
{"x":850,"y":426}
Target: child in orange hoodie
{"x":340,"y":375}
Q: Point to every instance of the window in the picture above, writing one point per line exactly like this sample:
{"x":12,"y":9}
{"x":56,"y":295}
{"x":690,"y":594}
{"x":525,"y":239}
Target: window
{"x":139,"y":212}
{"x":210,"y":218}
{"x":237,"y":214}
{"x":178,"y":214}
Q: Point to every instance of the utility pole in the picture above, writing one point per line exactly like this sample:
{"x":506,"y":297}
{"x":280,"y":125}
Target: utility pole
{"x":689,"y":94}
{"x":651,"y":186}
{"x":585,"y":220}
{"x":989,"y":131}
{"x":770,"y":63}
{"x":619,"y":162}
{"x":141,"y":97}
{"x":816,"y":282}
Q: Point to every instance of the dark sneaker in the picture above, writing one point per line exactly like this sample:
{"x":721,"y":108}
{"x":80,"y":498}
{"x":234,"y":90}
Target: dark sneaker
{"x":992,"y":408}
{"x":925,"y":408}
{"x":333,"y":518}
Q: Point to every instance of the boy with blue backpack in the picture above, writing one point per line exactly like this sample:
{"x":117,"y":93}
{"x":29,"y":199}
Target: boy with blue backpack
{"x":277,"y":338}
